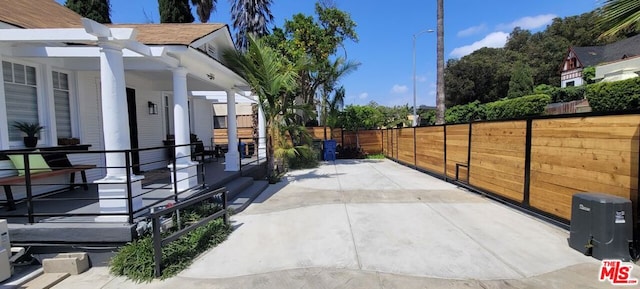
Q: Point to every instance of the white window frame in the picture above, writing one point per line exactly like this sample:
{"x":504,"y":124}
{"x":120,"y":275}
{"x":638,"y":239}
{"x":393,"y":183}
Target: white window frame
{"x":73,"y":104}
{"x":41,"y":99}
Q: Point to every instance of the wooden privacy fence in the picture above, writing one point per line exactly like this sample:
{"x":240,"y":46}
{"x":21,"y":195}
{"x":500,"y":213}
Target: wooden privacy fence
{"x":536,"y":163}
{"x":370,"y":140}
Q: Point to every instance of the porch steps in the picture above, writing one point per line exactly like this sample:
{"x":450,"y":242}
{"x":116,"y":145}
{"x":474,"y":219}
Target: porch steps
{"x":244,"y":199}
{"x":242,"y":191}
{"x":238,"y":185}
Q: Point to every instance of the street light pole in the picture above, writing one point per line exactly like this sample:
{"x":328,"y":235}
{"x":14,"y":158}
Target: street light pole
{"x":415,"y":112}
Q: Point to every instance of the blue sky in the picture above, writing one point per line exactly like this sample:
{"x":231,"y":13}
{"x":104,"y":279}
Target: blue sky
{"x":386,"y":31}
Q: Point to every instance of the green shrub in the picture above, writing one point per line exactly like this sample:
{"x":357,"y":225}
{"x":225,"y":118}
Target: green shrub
{"x":545,"y":89}
{"x":428,"y":117}
{"x":378,"y":156}
{"x":516,"y":107}
{"x":464,"y":113}
{"x":302,"y":157}
{"x":567,"y":94}
{"x":614,"y":96}
{"x":135,"y":260}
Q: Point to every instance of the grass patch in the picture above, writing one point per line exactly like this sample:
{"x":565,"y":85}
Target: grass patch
{"x":135,"y":260}
{"x":379,"y":156}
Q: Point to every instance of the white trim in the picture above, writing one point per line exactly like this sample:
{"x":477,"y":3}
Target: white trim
{"x":62,"y":35}
{"x":43,"y":115}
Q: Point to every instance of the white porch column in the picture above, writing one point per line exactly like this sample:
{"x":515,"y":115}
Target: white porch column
{"x":232,"y":158}
{"x":112,"y":189}
{"x":262,"y":132}
{"x":114,"y":110}
{"x":181,"y":115}
{"x":186,"y":170}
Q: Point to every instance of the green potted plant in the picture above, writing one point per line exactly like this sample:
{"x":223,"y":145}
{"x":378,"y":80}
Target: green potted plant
{"x":31,"y":129}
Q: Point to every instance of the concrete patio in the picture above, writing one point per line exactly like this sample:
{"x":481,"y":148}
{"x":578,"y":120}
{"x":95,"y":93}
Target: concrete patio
{"x":377,"y":224}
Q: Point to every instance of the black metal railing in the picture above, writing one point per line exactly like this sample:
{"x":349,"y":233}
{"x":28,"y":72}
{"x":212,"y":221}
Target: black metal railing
{"x":157,"y":223}
{"x":46,"y":196}
{"x":252,"y":154}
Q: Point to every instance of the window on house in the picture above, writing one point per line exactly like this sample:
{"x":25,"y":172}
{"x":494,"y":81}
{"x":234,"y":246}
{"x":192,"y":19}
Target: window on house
{"x":219,"y":122}
{"x":571,"y":83}
{"x":62,"y":105}
{"x":21,"y":95}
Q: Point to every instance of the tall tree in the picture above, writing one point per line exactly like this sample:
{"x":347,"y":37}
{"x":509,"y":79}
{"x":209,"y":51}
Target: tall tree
{"x":271,"y":78}
{"x":334,"y":108}
{"x":250,"y":17}
{"x":204,"y":8}
{"x":175,"y":11}
{"x":331,"y":75}
{"x":440,"y":97}
{"x":97,"y":10}
{"x":619,"y":16}
{"x":312,"y":42}
{"x":521,"y":82}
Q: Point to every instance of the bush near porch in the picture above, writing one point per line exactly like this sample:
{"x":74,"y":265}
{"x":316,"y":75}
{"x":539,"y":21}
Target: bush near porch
{"x":135,"y":260}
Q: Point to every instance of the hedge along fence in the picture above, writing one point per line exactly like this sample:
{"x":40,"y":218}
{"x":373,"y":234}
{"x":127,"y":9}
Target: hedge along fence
{"x":537,"y":163}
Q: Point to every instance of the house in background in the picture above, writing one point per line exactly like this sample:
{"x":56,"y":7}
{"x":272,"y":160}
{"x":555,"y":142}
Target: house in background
{"x":115,"y":88}
{"x":615,"y":61}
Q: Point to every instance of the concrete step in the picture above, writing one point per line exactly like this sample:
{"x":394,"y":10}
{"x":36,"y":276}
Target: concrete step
{"x":238,"y":185}
{"x":45,"y":281}
{"x":244,"y":199}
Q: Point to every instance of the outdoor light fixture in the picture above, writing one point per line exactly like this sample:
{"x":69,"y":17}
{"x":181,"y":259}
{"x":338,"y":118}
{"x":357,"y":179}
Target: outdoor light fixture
{"x":153,"y":108}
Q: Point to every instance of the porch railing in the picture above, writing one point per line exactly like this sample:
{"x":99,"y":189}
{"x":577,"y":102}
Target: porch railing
{"x":252,"y":154}
{"x":52,"y":200}
{"x":157,"y":223}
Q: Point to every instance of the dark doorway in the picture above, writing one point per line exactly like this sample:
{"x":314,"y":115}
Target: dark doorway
{"x":133,"y":129}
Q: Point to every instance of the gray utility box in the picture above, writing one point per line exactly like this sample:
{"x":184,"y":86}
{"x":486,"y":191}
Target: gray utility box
{"x":601,"y":226}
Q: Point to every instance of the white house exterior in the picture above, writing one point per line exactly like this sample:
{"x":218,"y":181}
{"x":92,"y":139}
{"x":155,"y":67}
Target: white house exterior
{"x":618,"y":70}
{"x":85,"y":80}
{"x":616,"y":60}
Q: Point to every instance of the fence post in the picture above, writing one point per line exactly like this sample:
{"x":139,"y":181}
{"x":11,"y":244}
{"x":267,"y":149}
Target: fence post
{"x":157,"y":246}
{"x":127,"y":164}
{"x":469,"y":152}
{"x":444,"y":128}
{"x":415,"y":151}
{"x":527,"y":163}
{"x":224,"y":207}
{"x":27,"y":178}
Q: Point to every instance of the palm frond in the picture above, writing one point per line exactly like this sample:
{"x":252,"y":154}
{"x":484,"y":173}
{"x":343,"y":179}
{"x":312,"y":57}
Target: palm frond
{"x":618,"y":16}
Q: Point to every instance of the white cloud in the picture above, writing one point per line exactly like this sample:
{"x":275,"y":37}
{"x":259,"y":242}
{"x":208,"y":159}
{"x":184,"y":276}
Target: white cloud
{"x":421,"y":78}
{"x":472,"y":30}
{"x":528,"y":22}
{"x":399,"y":88}
{"x":493,"y":40}
{"x":363,"y":95}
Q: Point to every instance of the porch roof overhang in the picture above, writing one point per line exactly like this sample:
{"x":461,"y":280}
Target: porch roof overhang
{"x":77,"y":49}
{"x":221,"y":96}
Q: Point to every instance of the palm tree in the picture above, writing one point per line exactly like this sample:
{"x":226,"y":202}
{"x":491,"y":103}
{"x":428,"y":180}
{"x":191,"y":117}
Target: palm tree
{"x":329,"y":75}
{"x":250,"y":17}
{"x":618,"y":16}
{"x":271,"y":78}
{"x":334,"y":108}
{"x":440,"y":108}
{"x":204,"y":8}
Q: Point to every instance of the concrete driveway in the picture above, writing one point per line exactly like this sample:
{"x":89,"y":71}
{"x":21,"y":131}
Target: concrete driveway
{"x":377,"y":224}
